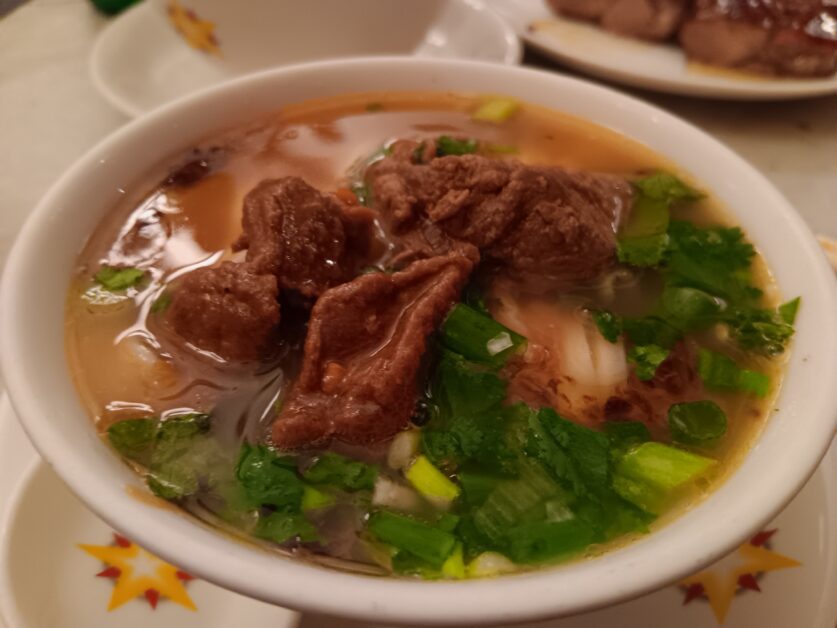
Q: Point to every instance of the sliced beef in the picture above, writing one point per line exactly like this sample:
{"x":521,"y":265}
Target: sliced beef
{"x":531,"y":221}
{"x":308,"y":240}
{"x":230,"y":310}
{"x":648,"y":19}
{"x":365,"y":343}
{"x":786,"y":37}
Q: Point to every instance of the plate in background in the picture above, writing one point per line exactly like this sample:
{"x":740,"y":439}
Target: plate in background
{"x":139,"y":62}
{"x":656,"y":66}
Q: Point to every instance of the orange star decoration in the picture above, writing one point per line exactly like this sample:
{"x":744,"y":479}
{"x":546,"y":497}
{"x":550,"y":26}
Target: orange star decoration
{"x":138,"y":573}
{"x":198,"y":33}
{"x":738,"y":570}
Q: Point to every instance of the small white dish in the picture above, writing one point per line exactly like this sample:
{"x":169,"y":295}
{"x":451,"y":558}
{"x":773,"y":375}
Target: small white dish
{"x":654,"y":66}
{"x":139,"y":61}
{"x":797,"y":596}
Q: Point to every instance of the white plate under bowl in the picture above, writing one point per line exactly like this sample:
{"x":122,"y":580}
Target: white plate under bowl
{"x":656,"y":66}
{"x":139,"y":62}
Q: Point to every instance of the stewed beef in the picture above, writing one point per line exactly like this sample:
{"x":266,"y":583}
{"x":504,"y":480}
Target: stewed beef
{"x":534,"y":222}
{"x":308,"y":240}
{"x":230,"y":310}
{"x":362,"y":354}
{"x":296,"y":239}
{"x":789,"y":37}
{"x":648,"y":19}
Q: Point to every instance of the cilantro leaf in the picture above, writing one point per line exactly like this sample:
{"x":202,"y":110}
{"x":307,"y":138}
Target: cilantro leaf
{"x":716,"y":260}
{"x":646,"y":359}
{"x":344,"y":473}
{"x":666,"y":187}
{"x":688,"y":309}
{"x":134,"y":438}
{"x":576,"y":456}
{"x":609,"y":325}
{"x":114,"y":279}
{"x":283,"y":526}
{"x":696,"y":422}
{"x":788,"y":310}
{"x":644,"y":240}
{"x":269,"y":479}
{"x":760,"y":330}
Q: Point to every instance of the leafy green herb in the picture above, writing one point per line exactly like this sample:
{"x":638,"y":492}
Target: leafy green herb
{"x":651,"y":330}
{"x":183,"y":456}
{"x":719,"y":372}
{"x":283,"y":526}
{"x":479,"y":338}
{"x":161,"y":303}
{"x":446,"y":145}
{"x":646,"y":359}
{"x":688,"y":309}
{"x":642,"y":251}
{"x":269,"y":479}
{"x":609,"y":325}
{"x":574,"y":455}
{"x":697,"y":422}
{"x":716,"y":260}
{"x":344,"y":473}
{"x":760,"y":330}
{"x":788,"y":310}
{"x":644,"y":240}
{"x":134,"y":438}
{"x":114,"y":279}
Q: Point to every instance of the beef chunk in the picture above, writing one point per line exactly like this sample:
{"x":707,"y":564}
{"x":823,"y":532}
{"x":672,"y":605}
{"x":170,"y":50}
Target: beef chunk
{"x":363,"y":351}
{"x":648,"y":19}
{"x":308,"y":240}
{"x":787,"y":37}
{"x":531,"y":221}
{"x":229,"y":310}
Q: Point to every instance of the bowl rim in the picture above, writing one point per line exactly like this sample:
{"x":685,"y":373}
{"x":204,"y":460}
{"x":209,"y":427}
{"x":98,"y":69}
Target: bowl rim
{"x":620,"y":575}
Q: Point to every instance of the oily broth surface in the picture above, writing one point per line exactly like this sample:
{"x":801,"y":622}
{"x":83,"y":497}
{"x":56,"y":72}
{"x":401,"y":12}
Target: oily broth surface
{"x":122,"y":370}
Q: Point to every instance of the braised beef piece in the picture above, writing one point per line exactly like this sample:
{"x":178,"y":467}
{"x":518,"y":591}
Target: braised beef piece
{"x":535,"y":223}
{"x":786,"y":37}
{"x":648,"y":19}
{"x":365,"y":342}
{"x":675,"y":381}
{"x":308,"y":240}
{"x":230,"y":310}
{"x":296,"y":239}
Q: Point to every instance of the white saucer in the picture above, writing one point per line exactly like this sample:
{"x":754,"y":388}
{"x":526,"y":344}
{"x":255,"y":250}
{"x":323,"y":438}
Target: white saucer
{"x":47,"y":580}
{"x":659,"y":67}
{"x":139,"y":62}
{"x":43,"y":524}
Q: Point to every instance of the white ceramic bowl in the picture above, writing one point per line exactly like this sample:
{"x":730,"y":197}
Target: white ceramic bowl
{"x":34,"y":367}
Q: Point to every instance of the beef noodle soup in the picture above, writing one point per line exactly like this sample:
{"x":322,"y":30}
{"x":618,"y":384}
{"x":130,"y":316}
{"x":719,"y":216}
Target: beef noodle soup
{"x":429,"y":335}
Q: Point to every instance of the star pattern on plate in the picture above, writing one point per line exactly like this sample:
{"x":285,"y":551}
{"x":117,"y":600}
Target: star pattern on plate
{"x":198,"y":33}
{"x":739,"y":570}
{"x":138,"y":573}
